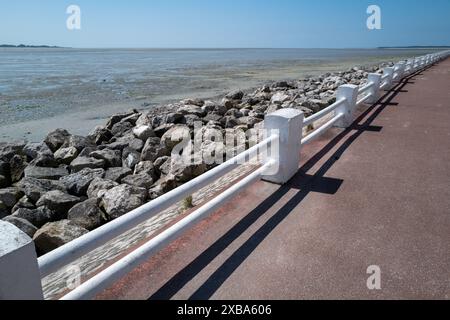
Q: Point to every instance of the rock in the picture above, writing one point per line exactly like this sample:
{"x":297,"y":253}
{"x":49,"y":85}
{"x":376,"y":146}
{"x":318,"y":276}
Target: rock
{"x":130,"y":158}
{"x":159,"y":131}
{"x":145,"y":119}
{"x":35,"y":189}
{"x":78,"y":142}
{"x":154,"y":149}
{"x":230,"y":122}
{"x":56,"y":234}
{"x":191,"y":109}
{"x":143,"y":132}
{"x":279,"y":98}
{"x":314,"y":105}
{"x":87,"y":151}
{"x":66,"y":155}
{"x":146,"y":167}
{"x":117,"y":174}
{"x":9,"y":150}
{"x":229,"y":104}
{"x":235,"y":95}
{"x":81,"y":163}
{"x":10,"y":196}
{"x":185,"y":171}
{"x":174,"y":118}
{"x":112,"y":158}
{"x":17,"y":167}
{"x":175,"y":136}
{"x":58,"y":201}
{"x":142,"y":180}
{"x":45,"y":173}
{"x":34,"y":150}
{"x":273,"y":108}
{"x":127,"y":141}
{"x":121,"y":128}
{"x":4,"y":168}
{"x":160,"y":161}
{"x":37,"y":217}
{"x":24,"y":202}
{"x":79,"y":182}
{"x":4,"y":211}
{"x":99,"y":186}
{"x":281,"y":84}
{"x":99,"y":135}
{"x":56,"y":139}
{"x":122,"y":199}
{"x":22,"y":224}
{"x":162,"y":186}
{"x":44,"y":161}
{"x":195,"y":102}
{"x":4,"y":181}
{"x":220,"y":110}
{"x":5,"y":174}
{"x":234,"y":113}
{"x":249,"y":121}
{"x":119,"y":117}
{"x":212,"y":117}
{"x":132,"y":119}
{"x":190,"y":120}
{"x":87,"y":214}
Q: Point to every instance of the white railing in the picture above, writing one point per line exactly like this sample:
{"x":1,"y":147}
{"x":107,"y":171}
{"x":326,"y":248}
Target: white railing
{"x":283,"y":128}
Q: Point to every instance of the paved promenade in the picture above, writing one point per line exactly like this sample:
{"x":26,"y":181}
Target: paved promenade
{"x":375,"y":194}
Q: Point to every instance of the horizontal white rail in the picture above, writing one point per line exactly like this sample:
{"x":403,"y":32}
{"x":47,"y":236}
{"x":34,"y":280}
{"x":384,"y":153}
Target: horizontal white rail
{"x":366,"y":87}
{"x":103,"y":280}
{"x":316,"y":134}
{"x":68,"y":253}
{"x":364,"y":99}
{"x":310,"y":120}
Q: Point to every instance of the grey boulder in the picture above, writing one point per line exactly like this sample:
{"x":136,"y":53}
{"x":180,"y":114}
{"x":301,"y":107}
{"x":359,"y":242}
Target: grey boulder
{"x":81,"y":163}
{"x":87,"y":214}
{"x":58,"y":201}
{"x":22,"y":224}
{"x":78,"y":183}
{"x":45,"y":173}
{"x":56,"y":234}
{"x":117,"y":174}
{"x":122,"y":199}
{"x":99,"y":186}
{"x":35,"y":188}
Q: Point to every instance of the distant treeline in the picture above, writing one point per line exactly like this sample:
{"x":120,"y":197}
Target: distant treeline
{"x":25,"y":46}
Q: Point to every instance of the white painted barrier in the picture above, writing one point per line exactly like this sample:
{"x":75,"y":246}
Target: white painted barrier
{"x":277,"y":168}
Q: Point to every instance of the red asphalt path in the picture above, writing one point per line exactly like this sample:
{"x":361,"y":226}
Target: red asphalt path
{"x":375,"y":194}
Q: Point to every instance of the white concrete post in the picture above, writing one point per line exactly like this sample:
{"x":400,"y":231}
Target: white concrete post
{"x":389,"y":80}
{"x":19,"y":271}
{"x":350,"y":93}
{"x":375,"y":89}
{"x":400,"y":71}
{"x":288,"y":124}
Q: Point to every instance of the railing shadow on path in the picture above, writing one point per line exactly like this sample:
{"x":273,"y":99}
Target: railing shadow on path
{"x":304,"y":183}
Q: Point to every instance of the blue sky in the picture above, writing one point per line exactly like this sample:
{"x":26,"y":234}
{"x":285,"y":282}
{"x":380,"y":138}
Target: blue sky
{"x":226,"y":23}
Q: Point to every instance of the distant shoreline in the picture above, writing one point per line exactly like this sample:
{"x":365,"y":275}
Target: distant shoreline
{"x":28,"y":46}
{"x":416,"y":47}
